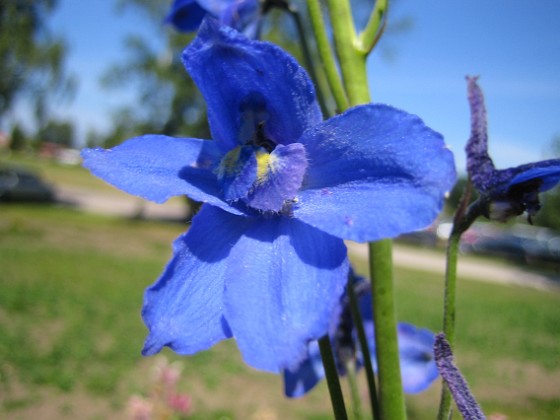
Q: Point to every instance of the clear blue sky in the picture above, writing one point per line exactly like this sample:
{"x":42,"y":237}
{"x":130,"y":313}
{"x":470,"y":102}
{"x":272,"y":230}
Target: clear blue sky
{"x":514,"y":45}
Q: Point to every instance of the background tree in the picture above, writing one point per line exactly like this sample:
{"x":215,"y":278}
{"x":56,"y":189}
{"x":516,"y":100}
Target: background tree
{"x":167,"y":99}
{"x":549,"y":215}
{"x":31,"y":57}
{"x":56,"y":132}
{"x":18,"y":138}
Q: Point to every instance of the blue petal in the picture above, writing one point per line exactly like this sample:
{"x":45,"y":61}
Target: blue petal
{"x":284,"y":280}
{"x":158,"y":167}
{"x":230,"y":69}
{"x":184,"y":308}
{"x":375,"y":172}
{"x":310,"y":372}
{"x":547,"y":171}
{"x":418,"y":367}
{"x":242,"y":15}
{"x":215,"y":7}
{"x":186,"y":15}
{"x":279,"y":178}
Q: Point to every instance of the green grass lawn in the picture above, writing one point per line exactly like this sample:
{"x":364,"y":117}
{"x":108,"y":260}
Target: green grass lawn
{"x":71,"y":289}
{"x":70,"y":330}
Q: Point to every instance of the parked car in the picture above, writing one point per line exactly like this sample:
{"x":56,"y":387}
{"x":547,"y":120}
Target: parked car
{"x":17,"y":184}
{"x":524,"y":243}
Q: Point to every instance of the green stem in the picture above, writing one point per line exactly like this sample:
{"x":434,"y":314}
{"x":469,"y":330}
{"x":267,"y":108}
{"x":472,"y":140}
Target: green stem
{"x":364,"y":347}
{"x":463,"y":219}
{"x":375,"y":26}
{"x":326,"y":54}
{"x":353,"y":66}
{"x":451,"y":287}
{"x":331,"y":375}
{"x":444,"y":411}
{"x":352,"y":61}
{"x":391,"y":398}
{"x":354,"y":390}
{"x":293,"y":12}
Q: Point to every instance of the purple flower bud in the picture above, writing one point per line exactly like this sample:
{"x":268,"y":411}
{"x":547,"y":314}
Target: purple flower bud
{"x":467,"y":405}
{"x":509,"y":192}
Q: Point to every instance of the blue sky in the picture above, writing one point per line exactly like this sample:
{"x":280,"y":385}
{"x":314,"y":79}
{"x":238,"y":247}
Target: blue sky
{"x":514,"y":45}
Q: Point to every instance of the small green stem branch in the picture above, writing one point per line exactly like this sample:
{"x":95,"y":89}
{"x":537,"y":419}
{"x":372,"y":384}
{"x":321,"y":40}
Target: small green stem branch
{"x":331,"y":375}
{"x":391,"y":398}
{"x":375,"y":26}
{"x":364,"y":347}
{"x":326,"y":55}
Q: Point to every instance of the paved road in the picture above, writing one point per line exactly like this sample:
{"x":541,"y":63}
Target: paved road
{"x":469,"y":267}
{"x":118,"y":203}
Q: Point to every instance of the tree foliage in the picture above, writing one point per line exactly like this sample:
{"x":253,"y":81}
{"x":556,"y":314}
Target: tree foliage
{"x":57,"y":132}
{"x":31,"y":57}
{"x":18,"y":138}
{"x":549,"y":215}
{"x":167,"y":101}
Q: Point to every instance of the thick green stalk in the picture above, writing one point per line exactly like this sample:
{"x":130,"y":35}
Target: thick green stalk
{"x":352,"y":61}
{"x":391,"y":397}
{"x":331,"y":374}
{"x":326,"y":55}
{"x":375,"y":26}
{"x":353,"y":66}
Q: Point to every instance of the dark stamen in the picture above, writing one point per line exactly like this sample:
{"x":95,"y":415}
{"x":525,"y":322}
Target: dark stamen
{"x":260,"y":139}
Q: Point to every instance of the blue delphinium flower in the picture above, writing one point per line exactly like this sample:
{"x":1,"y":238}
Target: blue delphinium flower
{"x":264,"y":260}
{"x":243,"y":15}
{"x":418,"y":367}
{"x":509,"y":192}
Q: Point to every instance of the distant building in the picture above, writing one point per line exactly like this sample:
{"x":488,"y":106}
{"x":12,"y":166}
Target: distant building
{"x":60,"y":153}
{"x":4,"y":140}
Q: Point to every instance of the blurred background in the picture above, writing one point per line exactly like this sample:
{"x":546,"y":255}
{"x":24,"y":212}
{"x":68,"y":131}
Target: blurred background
{"x":76,"y":254}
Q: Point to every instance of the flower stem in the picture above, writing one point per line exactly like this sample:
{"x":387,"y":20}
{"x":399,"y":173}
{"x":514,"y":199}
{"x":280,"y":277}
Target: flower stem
{"x":333,"y":382}
{"x":391,"y":398}
{"x":375,"y":26}
{"x":354,"y":391}
{"x":364,"y":347}
{"x":353,"y":66}
{"x":326,"y":55}
{"x":449,"y":313}
{"x":294,"y":13}
{"x":351,"y":59}
{"x":465,"y":215}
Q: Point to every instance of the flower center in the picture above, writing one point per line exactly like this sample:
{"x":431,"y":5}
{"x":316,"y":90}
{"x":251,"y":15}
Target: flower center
{"x":262,"y":176}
